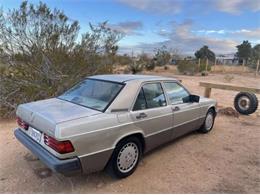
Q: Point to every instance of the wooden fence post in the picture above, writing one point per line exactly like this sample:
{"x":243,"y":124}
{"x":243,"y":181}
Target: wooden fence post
{"x":207,"y":92}
{"x":199,"y":64}
{"x":257,"y":68}
{"x":215,"y":64}
{"x":243,"y":65}
{"x":207,"y":63}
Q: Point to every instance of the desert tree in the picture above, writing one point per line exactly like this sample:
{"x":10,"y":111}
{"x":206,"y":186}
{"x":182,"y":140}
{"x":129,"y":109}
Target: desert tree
{"x":43,"y":54}
{"x":205,"y":53}
{"x":255,"y":56}
{"x":162,"y":56}
{"x":244,"y":51}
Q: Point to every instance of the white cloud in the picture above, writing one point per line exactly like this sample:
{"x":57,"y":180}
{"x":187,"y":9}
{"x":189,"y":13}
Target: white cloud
{"x":235,"y":6}
{"x":128,"y":27}
{"x":248,"y":34}
{"x":245,"y":33}
{"x":176,"y":6}
{"x":182,"y":38}
{"x":210,"y":31}
{"x":157,"y":6}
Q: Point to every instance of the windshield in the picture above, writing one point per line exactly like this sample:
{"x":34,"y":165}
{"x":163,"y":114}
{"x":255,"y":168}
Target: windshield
{"x":95,"y":94}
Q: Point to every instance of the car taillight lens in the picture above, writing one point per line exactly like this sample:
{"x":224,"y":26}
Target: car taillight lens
{"x":21,"y":123}
{"x":61,"y":147}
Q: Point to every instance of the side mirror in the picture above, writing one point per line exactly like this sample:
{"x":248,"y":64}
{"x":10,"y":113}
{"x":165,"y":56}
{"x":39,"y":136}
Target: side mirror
{"x":191,"y":99}
{"x":194,"y":98}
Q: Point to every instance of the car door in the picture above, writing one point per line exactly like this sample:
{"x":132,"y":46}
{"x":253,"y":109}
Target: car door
{"x":152,"y":114}
{"x":186,"y":115}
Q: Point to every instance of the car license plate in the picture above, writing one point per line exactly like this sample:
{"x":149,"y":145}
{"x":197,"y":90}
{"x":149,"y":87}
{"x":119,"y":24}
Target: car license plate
{"x":36,"y":135}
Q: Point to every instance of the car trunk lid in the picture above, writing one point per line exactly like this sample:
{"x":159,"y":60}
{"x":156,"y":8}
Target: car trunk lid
{"x":44,"y":115}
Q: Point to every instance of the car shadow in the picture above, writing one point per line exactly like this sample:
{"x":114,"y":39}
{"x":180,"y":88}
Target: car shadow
{"x":94,"y":181}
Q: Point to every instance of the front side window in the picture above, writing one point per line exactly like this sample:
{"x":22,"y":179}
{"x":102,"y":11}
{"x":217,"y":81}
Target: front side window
{"x":176,"y":93}
{"x":151,"y":96}
{"x":95,"y":94}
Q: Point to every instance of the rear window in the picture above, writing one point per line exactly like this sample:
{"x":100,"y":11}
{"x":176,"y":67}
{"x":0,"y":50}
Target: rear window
{"x":95,"y":94}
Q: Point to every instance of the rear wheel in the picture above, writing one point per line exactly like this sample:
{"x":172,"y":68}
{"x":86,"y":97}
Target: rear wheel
{"x":208,"y":122}
{"x":125,"y":157}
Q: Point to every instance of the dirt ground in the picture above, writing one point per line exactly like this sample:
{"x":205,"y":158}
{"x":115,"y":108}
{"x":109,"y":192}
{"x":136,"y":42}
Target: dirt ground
{"x":227,"y":160}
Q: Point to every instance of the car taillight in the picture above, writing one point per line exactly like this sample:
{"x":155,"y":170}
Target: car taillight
{"x":21,"y":123}
{"x":61,"y":147}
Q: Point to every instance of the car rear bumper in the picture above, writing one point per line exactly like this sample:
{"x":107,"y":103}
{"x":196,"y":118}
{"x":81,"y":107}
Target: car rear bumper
{"x":66,"y":166}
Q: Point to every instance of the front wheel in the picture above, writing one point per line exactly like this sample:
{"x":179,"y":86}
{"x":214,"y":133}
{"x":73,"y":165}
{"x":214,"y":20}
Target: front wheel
{"x":125,"y":157}
{"x":208,"y":122}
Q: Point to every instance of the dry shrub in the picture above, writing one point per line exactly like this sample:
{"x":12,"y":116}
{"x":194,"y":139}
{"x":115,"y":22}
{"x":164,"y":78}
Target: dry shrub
{"x":136,"y":67}
{"x":229,"y":111}
{"x":204,"y":73}
{"x":231,"y":69}
{"x":43,"y":54}
{"x":228,"y":78}
{"x":187,"y":67}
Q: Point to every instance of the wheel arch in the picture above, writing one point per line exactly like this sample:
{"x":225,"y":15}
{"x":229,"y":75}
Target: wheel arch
{"x":213,"y":108}
{"x":137,"y":134}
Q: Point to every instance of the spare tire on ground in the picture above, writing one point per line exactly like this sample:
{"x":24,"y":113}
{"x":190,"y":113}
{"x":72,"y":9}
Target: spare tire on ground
{"x":246,"y":103}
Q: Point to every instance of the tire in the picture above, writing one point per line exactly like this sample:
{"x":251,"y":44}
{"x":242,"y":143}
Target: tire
{"x":246,"y":103}
{"x":208,"y":122}
{"x":118,"y":166}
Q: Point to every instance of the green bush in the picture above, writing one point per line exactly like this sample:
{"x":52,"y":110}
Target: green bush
{"x":150,"y":66}
{"x":187,"y":67}
{"x":123,"y":59}
{"x":136,"y":66}
{"x":203,"y":67}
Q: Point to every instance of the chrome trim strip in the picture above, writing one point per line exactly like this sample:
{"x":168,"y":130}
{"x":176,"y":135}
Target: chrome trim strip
{"x":119,"y":110}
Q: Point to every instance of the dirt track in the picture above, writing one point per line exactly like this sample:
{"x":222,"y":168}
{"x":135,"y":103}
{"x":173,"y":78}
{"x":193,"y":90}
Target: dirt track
{"x":225,"y":161}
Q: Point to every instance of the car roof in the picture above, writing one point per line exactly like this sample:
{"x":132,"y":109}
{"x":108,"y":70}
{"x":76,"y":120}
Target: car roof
{"x":122,"y":78}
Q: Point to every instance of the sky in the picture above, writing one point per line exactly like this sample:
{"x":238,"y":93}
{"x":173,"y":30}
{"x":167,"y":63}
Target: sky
{"x":181,"y":25}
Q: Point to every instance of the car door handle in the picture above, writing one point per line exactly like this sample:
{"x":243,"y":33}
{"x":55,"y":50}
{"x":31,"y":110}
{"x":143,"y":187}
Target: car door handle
{"x":176,"y":108}
{"x":141,"y":115}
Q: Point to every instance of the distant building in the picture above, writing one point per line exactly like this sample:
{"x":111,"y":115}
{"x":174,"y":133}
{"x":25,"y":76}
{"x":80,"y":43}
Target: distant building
{"x":227,"y":59}
{"x":223,"y":59}
{"x":176,"y":59}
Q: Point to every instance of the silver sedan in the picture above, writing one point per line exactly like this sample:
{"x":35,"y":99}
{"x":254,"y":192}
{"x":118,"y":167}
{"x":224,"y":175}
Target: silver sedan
{"x":109,"y":121}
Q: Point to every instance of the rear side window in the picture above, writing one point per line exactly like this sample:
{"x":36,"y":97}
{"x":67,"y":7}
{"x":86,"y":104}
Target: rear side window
{"x":176,"y":93}
{"x":140,"y":103}
{"x":150,"y":96}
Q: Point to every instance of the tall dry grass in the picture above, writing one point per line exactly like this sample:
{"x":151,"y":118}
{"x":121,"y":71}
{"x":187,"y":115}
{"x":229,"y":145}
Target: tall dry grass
{"x":173,"y":69}
{"x":230,"y":69}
